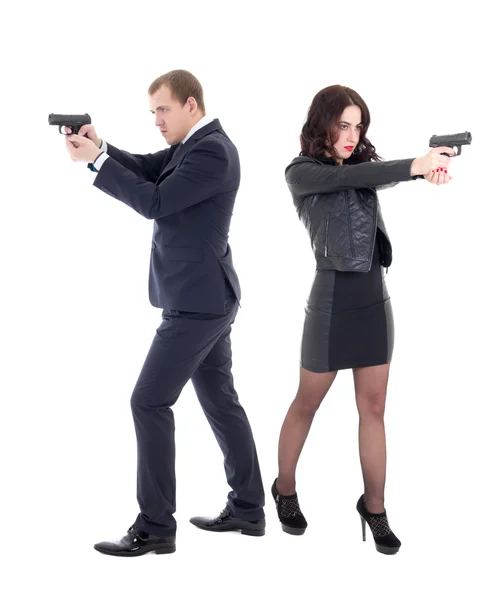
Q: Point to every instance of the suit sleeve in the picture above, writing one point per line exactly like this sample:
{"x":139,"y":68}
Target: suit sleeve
{"x":145,"y":166}
{"x":308,"y":178}
{"x":200,"y":176}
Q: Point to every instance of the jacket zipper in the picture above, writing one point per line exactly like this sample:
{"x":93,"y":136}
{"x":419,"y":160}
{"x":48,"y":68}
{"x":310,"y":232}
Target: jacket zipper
{"x":327,"y":234}
{"x":349,"y":224}
{"x":375,"y":228}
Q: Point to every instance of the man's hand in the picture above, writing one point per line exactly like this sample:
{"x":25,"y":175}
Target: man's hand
{"x":81,"y":148}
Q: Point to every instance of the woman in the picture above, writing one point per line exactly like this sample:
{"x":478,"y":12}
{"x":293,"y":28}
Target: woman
{"x":348,"y":318}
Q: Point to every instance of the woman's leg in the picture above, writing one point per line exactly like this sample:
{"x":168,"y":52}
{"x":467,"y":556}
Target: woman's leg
{"x":312,"y":389}
{"x":370,"y":392}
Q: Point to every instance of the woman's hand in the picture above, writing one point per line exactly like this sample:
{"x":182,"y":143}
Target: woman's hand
{"x":432,"y":161}
{"x":438,"y":176}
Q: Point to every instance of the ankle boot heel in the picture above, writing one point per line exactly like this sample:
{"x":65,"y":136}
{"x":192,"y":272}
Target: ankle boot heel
{"x":385,"y":540}
{"x":363,"y":523}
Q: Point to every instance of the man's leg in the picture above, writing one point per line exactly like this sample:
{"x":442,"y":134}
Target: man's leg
{"x":214,"y":387}
{"x":178,"y":348}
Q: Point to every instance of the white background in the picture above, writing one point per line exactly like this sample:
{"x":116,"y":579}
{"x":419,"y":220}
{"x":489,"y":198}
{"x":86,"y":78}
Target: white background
{"x":76,"y":323}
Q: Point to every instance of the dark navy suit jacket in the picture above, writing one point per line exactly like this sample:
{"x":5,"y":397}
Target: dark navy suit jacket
{"x":189,"y":190}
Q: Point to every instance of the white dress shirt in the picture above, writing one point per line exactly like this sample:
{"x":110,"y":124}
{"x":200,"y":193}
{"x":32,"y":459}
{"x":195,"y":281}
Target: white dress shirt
{"x":201,"y":123}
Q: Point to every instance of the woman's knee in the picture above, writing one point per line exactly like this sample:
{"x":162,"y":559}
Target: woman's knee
{"x":307,"y":404}
{"x":372,"y":404}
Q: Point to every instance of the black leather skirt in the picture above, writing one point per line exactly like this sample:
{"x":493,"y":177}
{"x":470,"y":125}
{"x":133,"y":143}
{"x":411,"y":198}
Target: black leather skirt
{"x":348,"y":320}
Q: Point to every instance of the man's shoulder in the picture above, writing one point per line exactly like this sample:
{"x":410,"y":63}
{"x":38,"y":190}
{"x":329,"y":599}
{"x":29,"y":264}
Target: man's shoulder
{"x":217,"y":137}
{"x":216,"y":143}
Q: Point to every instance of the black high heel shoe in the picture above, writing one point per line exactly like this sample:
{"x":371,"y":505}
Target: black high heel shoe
{"x":289,"y":513}
{"x":385,"y":540}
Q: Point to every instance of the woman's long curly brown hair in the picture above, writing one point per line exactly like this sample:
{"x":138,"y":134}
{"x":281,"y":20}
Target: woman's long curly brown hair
{"x":322,"y":122}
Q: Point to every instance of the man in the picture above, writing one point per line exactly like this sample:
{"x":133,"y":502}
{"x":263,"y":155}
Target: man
{"x":189,"y":191}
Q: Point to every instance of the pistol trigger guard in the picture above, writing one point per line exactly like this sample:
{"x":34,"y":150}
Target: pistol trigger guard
{"x":451,"y":155}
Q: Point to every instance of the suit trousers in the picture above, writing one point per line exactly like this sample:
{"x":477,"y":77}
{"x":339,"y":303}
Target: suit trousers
{"x":191,"y":346}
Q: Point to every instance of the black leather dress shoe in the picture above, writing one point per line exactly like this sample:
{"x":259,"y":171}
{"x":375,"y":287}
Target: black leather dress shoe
{"x":227,"y":522}
{"x":137,"y":542}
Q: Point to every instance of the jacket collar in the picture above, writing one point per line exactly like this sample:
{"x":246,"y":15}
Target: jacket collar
{"x":178,"y":151}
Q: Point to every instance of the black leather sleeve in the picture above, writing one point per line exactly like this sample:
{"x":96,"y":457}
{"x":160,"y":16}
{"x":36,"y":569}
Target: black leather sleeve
{"x":309,"y":177}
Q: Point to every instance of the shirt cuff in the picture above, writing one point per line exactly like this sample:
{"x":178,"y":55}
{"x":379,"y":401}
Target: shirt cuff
{"x":100,"y":160}
{"x":103,"y":146}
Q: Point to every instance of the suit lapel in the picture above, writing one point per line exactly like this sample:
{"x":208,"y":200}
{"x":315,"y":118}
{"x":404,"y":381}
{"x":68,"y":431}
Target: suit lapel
{"x":168,"y":158}
{"x":179,"y":151}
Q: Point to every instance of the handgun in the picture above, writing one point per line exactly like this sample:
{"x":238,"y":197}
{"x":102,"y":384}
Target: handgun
{"x":451,"y":141}
{"x":74,"y":122}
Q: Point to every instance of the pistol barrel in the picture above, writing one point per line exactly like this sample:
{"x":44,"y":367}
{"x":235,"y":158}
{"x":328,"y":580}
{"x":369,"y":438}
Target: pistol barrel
{"x":456,"y":139}
{"x":55,"y":119}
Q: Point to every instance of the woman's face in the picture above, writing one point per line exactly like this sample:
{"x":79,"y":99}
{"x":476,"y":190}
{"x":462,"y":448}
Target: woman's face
{"x":349,"y":128}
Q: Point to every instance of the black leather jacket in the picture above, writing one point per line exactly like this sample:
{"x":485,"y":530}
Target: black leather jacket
{"x":339,"y":206}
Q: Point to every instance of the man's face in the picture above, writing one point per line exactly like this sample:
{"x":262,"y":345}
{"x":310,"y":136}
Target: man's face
{"x":173,"y":119}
